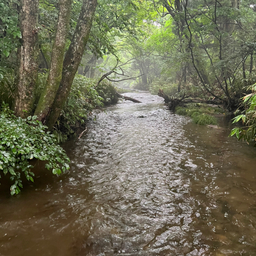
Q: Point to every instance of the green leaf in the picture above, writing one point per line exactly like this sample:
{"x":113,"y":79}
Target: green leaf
{"x":237,"y":118}
{"x":11,"y":171}
{"x":233,"y":131}
{"x":20,"y":141}
{"x":13,"y":189}
{"x":238,"y":133}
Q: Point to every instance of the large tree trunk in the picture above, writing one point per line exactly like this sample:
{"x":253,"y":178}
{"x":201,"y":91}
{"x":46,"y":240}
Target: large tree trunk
{"x":55,"y":74}
{"x":28,"y":55}
{"x":73,"y":58}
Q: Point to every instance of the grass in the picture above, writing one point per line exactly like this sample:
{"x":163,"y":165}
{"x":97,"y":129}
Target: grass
{"x":201,"y":114}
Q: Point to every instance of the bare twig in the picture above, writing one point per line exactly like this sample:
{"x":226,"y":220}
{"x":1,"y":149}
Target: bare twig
{"x":115,"y":72}
{"x":124,"y":79}
{"x":81,"y":134}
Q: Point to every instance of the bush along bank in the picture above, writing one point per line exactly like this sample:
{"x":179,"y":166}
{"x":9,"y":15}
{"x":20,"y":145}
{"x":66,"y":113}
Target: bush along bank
{"x":24,"y":140}
{"x":85,"y":96}
{"x":202,"y":114}
{"x":247,"y":118}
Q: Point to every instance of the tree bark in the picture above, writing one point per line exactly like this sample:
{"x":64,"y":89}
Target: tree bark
{"x":55,"y":74}
{"x":251,"y":63}
{"x":28,"y":58}
{"x":73,"y":58}
{"x":127,"y":98}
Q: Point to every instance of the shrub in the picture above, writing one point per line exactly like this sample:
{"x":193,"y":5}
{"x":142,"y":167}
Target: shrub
{"x":184,"y":111}
{"x":107,"y":92}
{"x":193,"y":112}
{"x":203,"y":119}
{"x":82,"y":100}
{"x":181,"y":111}
{"x":22,"y":140}
{"x":198,"y":115}
{"x":248,"y":131}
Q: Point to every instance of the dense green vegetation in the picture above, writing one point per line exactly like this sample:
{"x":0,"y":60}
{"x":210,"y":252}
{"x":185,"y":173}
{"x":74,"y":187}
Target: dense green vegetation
{"x":247,"y":131}
{"x":200,"y":113}
{"x":22,"y":140}
{"x":200,"y":49}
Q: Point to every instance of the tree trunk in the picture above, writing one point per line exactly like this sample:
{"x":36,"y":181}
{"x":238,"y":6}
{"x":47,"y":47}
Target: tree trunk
{"x":243,"y":65}
{"x":73,"y":58}
{"x":143,"y":72}
{"x":55,"y":74}
{"x":92,"y":68}
{"x":89,"y":65}
{"x":28,"y":56}
{"x":251,"y":63}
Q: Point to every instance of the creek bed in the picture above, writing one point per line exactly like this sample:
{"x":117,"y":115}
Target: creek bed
{"x":143,"y":181}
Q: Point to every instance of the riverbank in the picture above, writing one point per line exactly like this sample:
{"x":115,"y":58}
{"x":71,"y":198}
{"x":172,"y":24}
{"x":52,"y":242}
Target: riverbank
{"x":23,"y":141}
{"x":157,"y":185}
{"x":202,"y":113}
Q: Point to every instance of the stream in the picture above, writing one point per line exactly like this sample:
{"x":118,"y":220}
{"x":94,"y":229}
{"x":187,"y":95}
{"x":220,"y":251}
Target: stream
{"x":143,"y":181}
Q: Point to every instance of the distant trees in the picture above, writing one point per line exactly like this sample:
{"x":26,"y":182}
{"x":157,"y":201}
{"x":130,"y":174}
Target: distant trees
{"x":211,"y":44}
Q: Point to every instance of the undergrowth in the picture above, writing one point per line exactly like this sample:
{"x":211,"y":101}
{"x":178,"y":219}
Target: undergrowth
{"x":22,"y":140}
{"x":107,"y":92}
{"x":83,"y":98}
{"x":202,"y":115}
{"x":247,"y":118}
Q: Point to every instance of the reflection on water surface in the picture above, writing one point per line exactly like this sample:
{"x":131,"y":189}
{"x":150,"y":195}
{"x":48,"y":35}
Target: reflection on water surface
{"x":143,"y":182}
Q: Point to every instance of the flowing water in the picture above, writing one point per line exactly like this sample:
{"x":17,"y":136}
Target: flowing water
{"x":143,"y":181}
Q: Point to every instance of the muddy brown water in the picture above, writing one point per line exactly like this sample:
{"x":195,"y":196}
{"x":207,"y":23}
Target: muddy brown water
{"x":143,"y":181}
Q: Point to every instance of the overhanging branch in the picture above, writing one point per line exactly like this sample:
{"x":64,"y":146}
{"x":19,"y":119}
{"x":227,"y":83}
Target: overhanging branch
{"x":106,"y":75}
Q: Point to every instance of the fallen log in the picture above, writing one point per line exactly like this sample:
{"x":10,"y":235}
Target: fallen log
{"x":174,"y":102}
{"x":127,"y":98}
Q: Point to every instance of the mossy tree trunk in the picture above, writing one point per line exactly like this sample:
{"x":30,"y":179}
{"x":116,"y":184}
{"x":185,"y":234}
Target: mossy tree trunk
{"x":73,"y":58}
{"x":55,"y":73}
{"x":28,"y":55}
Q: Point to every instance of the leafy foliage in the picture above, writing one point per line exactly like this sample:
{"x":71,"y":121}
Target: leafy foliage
{"x":9,"y":31}
{"x":203,"y":119}
{"x":107,"y":92}
{"x":248,"y":131}
{"x":7,"y":86}
{"x":22,"y":140}
{"x":200,"y":115}
{"x":207,"y":44}
{"x":81,"y":101}
{"x":167,"y":86}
